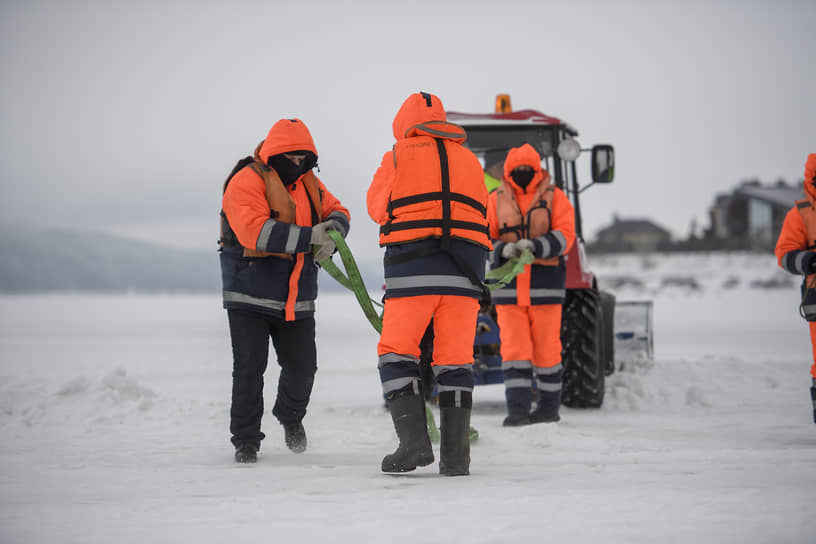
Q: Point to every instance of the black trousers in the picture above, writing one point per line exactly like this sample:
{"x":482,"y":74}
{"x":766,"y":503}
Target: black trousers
{"x":294,"y":343}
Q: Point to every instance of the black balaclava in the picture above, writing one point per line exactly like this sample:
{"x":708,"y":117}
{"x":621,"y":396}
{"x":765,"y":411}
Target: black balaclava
{"x":522,"y":176}
{"x":288,"y":171}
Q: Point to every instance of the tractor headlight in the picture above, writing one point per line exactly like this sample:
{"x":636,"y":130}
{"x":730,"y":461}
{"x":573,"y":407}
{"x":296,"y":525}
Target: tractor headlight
{"x":569,"y":150}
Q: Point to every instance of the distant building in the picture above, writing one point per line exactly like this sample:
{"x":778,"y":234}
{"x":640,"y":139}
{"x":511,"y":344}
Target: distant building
{"x":751,"y":216}
{"x":637,"y":235}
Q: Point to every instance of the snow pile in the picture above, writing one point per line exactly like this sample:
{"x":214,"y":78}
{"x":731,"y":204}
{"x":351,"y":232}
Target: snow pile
{"x":114,"y":392}
{"x":111,"y":397}
{"x":689,"y":274}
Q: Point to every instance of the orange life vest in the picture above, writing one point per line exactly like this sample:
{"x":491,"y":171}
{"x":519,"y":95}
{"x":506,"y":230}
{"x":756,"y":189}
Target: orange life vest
{"x":513,"y":225}
{"x":430,"y":199}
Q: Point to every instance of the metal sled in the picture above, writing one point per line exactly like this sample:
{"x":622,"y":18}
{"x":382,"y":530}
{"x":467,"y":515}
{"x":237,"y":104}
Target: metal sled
{"x":634,"y":332}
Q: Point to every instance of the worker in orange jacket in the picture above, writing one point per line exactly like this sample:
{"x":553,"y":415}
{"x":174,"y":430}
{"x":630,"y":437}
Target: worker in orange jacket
{"x":528,"y":213}
{"x":429,"y":197}
{"x":796,"y":253}
{"x":274,"y":223}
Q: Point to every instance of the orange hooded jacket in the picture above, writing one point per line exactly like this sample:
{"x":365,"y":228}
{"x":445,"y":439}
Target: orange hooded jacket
{"x":274,"y":222}
{"x":424,"y":187}
{"x":796,"y":248}
{"x":536,"y":198}
{"x":429,"y":198}
{"x":798,"y":234}
{"x":551,"y":229}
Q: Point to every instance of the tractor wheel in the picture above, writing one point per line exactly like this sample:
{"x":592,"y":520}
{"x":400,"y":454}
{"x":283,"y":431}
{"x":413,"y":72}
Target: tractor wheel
{"x":608,"y":332}
{"x":581,"y":328}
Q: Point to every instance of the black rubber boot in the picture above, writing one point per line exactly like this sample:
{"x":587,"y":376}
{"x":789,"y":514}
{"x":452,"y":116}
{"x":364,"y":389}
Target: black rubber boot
{"x":547,"y":409}
{"x":295,"y":437}
{"x":519,"y":400}
{"x":246,"y":452}
{"x":813,"y":398}
{"x":454,"y":419}
{"x":516,"y":420}
{"x":414,"y":450}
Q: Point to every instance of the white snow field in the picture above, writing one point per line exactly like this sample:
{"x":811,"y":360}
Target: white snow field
{"x":114,"y":417}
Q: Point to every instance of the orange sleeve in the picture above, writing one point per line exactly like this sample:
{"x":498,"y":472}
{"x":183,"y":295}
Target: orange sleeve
{"x":245,"y":206}
{"x":792,"y":238}
{"x":330,"y":203}
{"x":492,"y":217}
{"x":379,"y":192}
{"x":563,"y":218}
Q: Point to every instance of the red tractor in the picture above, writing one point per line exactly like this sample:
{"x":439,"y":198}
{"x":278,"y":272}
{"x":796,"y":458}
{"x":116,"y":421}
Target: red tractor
{"x":587,"y":330}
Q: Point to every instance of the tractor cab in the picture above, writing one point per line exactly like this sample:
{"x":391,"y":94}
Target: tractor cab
{"x":491,"y":135}
{"x":587,"y":334}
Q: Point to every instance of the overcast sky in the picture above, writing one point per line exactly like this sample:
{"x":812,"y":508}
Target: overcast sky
{"x":127,"y":116}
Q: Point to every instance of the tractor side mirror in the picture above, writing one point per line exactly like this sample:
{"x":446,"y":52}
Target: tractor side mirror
{"x":603,"y":163}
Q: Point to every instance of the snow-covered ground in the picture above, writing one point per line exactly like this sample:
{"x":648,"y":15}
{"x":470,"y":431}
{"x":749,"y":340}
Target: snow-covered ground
{"x":114,"y":415}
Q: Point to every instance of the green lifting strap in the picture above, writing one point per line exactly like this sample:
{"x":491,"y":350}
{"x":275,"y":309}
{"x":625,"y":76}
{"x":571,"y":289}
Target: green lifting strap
{"x":509,"y":270}
{"x":354,"y":280}
{"x":433,"y":429}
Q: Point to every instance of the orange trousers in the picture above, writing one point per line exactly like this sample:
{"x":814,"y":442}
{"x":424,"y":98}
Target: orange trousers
{"x":530,"y":333}
{"x":813,"y":343}
{"x":406,"y":318}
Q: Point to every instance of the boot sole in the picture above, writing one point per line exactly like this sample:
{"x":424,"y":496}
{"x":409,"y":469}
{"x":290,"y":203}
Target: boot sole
{"x":554,"y":419}
{"x":517,"y":423}
{"x":397,"y":469}
{"x":296,"y":448}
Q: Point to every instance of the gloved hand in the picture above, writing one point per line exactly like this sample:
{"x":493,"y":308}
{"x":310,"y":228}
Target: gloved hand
{"x":811,"y":267}
{"x":525,"y":244}
{"x":515,"y":249}
{"x":322,"y":245}
{"x":509,"y":251}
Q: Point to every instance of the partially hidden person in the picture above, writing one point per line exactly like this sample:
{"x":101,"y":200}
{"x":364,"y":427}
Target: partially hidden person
{"x":527,"y":212}
{"x":796,"y":253}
